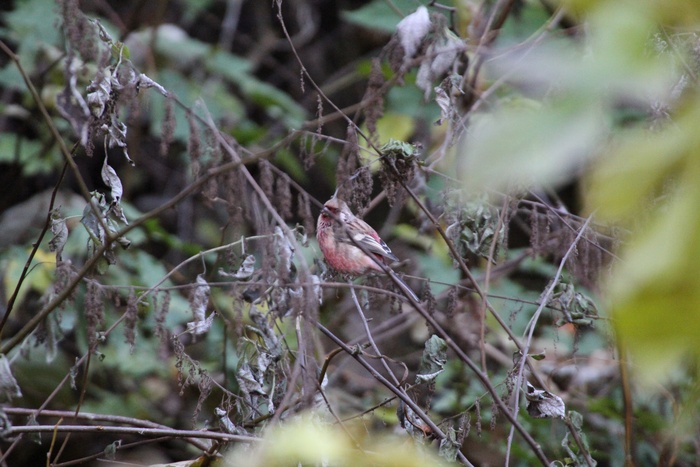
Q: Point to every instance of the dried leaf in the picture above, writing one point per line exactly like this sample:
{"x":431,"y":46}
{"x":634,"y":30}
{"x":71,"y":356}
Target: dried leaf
{"x":199,"y":300}
{"x":72,"y":106}
{"x":433,"y":360}
{"x":111,"y":449}
{"x":263,"y":329}
{"x":413,"y":424}
{"x":247,"y":268}
{"x":92,"y":222}
{"x":53,"y":335}
{"x":145,"y":82}
{"x":248,"y":382}
{"x":111,"y":179}
{"x":99,"y":92}
{"x":544,"y":404}
{"x":60,"y":234}
{"x":442,"y":55}
{"x":200,"y":327}
{"x":443,"y":101}
{"x":8,"y":384}
{"x":449,"y":446}
{"x":116,"y":133}
{"x":225,"y":423}
{"x":411,"y":30}
{"x":284,"y":251}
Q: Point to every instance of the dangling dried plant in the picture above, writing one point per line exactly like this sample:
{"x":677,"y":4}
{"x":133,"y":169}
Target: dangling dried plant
{"x":374,"y":100}
{"x":236,"y":197}
{"x":94,"y":311}
{"x":79,"y":30}
{"x":267,"y":179}
{"x":169,"y":123}
{"x":348,"y":161}
{"x":194,"y":144}
{"x":283,"y":196}
{"x":304,"y":212}
{"x":130,"y":319}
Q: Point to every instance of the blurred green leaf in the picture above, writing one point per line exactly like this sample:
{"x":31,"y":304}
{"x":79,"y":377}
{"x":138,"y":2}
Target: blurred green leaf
{"x":380,"y":15}
{"x":655,"y":288}
{"x":39,"y":278}
{"x":408,"y":100}
{"x":670,"y":11}
{"x":305,"y":442}
{"x":520,"y":26}
{"x":28,"y":154}
{"x":26,"y":25}
{"x":515,"y":149}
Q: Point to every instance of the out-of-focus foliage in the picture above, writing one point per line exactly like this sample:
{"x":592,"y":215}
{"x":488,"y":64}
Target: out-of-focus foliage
{"x":310,"y":442}
{"x":525,"y":143}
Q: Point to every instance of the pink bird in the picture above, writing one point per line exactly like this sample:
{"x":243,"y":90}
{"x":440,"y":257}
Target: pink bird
{"x":339,"y":232}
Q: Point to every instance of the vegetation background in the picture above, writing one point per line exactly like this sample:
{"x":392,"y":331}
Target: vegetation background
{"x":535,"y":165}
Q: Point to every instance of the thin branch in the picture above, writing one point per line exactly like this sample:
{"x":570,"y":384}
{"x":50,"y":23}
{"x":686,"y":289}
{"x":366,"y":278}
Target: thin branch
{"x":119,"y":447}
{"x":97,"y":417}
{"x":544,"y":299}
{"x":487,"y":282}
{"x":90,"y":263}
{"x":485,"y":381}
{"x":370,"y":338}
{"x":397,"y":391}
{"x":129,"y":430}
{"x":35,"y":248}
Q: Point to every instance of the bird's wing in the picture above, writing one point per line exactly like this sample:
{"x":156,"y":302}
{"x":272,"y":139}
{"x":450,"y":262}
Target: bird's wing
{"x":359,"y":230}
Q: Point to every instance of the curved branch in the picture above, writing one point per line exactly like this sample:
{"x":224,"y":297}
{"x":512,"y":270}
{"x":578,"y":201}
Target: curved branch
{"x":131,"y":430}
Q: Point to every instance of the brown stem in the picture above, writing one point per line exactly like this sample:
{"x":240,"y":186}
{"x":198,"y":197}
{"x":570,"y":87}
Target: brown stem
{"x":35,"y":248}
{"x":396,"y":390}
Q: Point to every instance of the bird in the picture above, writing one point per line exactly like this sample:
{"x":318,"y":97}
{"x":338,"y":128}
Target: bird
{"x":351,"y":246}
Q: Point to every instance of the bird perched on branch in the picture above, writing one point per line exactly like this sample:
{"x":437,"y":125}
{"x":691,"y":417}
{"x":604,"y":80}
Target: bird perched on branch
{"x":350,"y":245}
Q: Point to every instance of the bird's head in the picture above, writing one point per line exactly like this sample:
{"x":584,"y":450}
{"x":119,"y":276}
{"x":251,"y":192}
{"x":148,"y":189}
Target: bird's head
{"x":334,"y":209}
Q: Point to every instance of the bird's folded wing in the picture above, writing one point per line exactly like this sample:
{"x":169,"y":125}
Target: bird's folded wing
{"x":372,"y":245}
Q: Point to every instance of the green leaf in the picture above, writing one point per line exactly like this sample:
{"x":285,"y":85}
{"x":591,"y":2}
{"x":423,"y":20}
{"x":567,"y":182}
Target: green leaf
{"x":28,"y":154}
{"x":515,"y":149}
{"x":39,"y":278}
{"x":379,"y":14}
{"x":31,"y":26}
{"x":650,"y":183}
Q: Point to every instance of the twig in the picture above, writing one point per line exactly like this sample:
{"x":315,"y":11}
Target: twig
{"x":487,"y":281}
{"x":67,"y":155}
{"x":484,"y":378}
{"x":35,"y":248}
{"x":65,"y":293}
{"x":96,"y":417}
{"x":120,"y":447}
{"x":370,"y":338}
{"x":397,"y":391}
{"x":544,"y":299}
{"x":130,"y":430}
